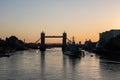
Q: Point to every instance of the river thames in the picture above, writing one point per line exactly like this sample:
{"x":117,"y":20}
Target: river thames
{"x":53,"y":65}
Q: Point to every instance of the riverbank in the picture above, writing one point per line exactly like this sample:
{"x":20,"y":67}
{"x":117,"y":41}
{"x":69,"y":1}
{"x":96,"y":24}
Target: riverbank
{"x":13,"y":44}
{"x":108,"y":54}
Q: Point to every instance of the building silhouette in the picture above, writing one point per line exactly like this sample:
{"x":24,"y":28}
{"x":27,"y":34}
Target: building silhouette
{"x":104,"y":37}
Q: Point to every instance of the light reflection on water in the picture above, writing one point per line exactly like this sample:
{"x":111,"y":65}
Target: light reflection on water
{"x":53,"y":65}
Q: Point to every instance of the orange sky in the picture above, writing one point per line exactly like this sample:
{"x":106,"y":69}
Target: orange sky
{"x":84,"y":19}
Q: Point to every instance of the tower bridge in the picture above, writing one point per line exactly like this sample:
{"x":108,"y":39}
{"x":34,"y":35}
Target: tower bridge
{"x":43,"y":45}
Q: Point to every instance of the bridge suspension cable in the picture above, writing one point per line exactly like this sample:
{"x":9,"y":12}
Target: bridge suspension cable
{"x":37,"y":40}
{"x":69,"y":40}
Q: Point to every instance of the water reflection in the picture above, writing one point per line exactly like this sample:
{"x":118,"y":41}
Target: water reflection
{"x":42,"y":61}
{"x":53,"y":65}
{"x":70,"y":66}
{"x":109,"y":70}
{"x":73,"y":62}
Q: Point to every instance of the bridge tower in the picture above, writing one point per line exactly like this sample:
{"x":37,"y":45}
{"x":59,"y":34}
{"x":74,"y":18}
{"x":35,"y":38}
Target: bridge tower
{"x":42,"y":45}
{"x":64,"y":41}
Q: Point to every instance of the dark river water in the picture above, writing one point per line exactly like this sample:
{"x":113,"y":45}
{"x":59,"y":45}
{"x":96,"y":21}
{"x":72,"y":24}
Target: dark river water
{"x":53,"y":65}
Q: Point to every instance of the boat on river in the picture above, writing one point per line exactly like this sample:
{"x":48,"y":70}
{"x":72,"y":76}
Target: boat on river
{"x":72,"y":49}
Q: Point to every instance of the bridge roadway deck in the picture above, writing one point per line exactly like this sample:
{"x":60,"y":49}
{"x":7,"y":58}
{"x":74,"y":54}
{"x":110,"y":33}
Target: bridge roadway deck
{"x":53,"y":36}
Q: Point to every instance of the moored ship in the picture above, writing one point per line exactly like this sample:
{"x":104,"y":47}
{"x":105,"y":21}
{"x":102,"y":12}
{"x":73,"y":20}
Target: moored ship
{"x":72,"y":49}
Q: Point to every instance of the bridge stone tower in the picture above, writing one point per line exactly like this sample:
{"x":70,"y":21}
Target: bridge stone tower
{"x":42,"y":45}
{"x":64,"y":41}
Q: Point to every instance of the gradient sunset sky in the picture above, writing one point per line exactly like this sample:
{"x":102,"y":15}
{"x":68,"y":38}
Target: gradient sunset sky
{"x":84,"y":19}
